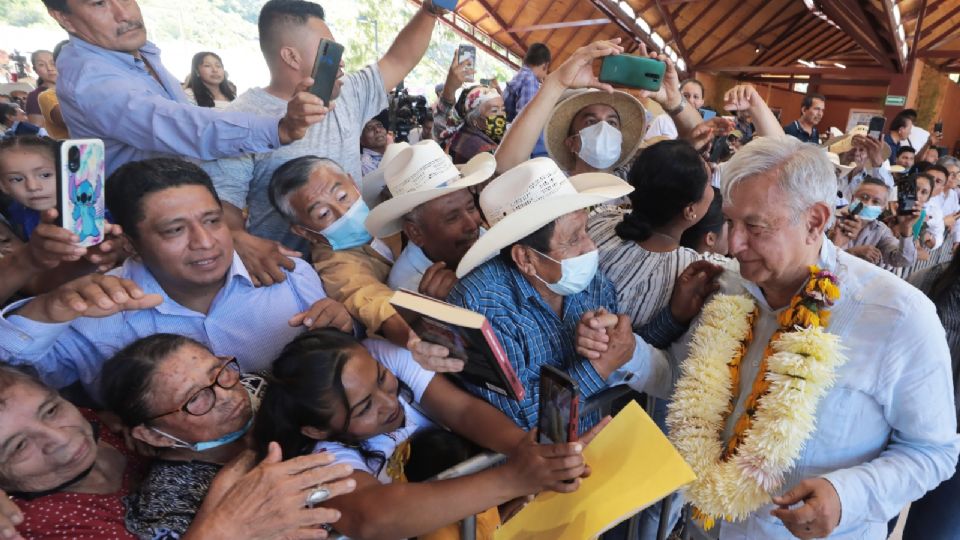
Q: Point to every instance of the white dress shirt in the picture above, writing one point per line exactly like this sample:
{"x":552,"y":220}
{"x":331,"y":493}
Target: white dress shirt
{"x":886,"y":432}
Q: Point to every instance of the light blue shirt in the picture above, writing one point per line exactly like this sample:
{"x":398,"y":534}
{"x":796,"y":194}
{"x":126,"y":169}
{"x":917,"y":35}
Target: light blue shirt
{"x":408,"y":271}
{"x":887,"y":431}
{"x":111,"y":95}
{"x":244,"y":321}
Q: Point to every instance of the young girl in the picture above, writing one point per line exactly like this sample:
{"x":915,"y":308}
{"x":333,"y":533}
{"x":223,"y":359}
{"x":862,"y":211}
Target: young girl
{"x":361,"y":402}
{"x":28,"y":180}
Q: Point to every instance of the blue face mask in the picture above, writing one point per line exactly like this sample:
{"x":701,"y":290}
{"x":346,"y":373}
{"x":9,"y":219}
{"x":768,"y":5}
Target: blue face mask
{"x":870,"y":213}
{"x":349,"y":231}
{"x":576,"y":273}
{"x":204,"y":446}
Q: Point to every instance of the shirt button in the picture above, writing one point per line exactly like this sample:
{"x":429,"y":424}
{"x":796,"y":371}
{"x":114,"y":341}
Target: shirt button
{"x":270,"y":146}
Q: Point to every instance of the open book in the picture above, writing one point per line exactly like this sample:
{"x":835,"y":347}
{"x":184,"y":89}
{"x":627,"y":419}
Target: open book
{"x":467,"y":335}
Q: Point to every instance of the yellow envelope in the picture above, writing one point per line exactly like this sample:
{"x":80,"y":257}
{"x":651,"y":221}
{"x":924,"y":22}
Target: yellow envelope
{"x":633,"y":465}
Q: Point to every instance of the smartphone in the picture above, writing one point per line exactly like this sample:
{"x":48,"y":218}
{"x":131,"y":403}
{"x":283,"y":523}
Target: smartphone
{"x":875,"y":130}
{"x":853,"y":210}
{"x":906,"y":196}
{"x":558,"y":421}
{"x":486,"y":82}
{"x":938,"y":127}
{"x":468,"y":52}
{"x":80,"y":182}
{"x":707,"y":114}
{"x":325,"y":69}
{"x":448,"y":5}
{"x":633,"y":71}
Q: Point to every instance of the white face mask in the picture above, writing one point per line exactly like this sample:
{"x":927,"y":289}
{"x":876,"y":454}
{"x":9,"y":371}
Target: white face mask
{"x":600,"y":145}
{"x":576,"y":273}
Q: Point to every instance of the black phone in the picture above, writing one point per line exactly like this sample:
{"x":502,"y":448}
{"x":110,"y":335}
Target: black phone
{"x":325,"y":69}
{"x":907,"y":196}
{"x":938,"y":127}
{"x":468,"y":52}
{"x":875,"y":130}
{"x":558,"y":419}
{"x":854,"y":209}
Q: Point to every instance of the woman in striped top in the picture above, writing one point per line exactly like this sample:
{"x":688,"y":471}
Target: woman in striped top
{"x":640,"y":249}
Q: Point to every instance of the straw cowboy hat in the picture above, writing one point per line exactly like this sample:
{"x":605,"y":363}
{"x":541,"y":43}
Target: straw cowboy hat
{"x":835,"y":159}
{"x":844,"y":143}
{"x":529,"y":196}
{"x":633,"y":123}
{"x":421,"y":173}
{"x":372,"y":184}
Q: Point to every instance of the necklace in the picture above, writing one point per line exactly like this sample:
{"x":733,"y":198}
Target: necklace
{"x":799,"y":366}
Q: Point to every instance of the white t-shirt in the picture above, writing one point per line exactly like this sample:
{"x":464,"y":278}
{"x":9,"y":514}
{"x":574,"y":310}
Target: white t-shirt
{"x":662,"y":126}
{"x":400,"y":362}
{"x":935,"y":225}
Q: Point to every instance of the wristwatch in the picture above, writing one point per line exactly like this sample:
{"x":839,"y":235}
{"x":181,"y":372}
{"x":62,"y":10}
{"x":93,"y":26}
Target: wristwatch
{"x":676,"y":110}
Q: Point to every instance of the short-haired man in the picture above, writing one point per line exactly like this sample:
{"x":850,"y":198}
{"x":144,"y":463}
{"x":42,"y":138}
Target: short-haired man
{"x":878,"y":435}
{"x":865,"y":236}
{"x":811,"y":112}
{"x":525,"y":84}
{"x":906,"y":158}
{"x":13,"y":122}
{"x":186,"y":280}
{"x":373,"y":143}
{"x":899,"y":135}
{"x":290,"y":32}
{"x":113,"y":86}
{"x":693,"y":93}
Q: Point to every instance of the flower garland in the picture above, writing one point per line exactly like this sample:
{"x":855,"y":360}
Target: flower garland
{"x":734,"y":478}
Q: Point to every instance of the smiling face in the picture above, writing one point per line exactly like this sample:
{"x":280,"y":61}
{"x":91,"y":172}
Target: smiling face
{"x":446,"y":227}
{"x":115,"y":25}
{"x":44,"y":440}
{"x":28,"y":175}
{"x":326,"y":196}
{"x":372,"y":394}
{"x":177,"y":379}
{"x":183,"y":239}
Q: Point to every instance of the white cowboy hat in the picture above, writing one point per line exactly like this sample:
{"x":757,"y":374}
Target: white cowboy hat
{"x":531,"y":195}
{"x":835,"y":159}
{"x":372,"y":184}
{"x":633,"y":123}
{"x":844,"y":143}
{"x":421,"y":173}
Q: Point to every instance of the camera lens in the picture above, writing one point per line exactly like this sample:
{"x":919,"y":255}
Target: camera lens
{"x":73,"y":159}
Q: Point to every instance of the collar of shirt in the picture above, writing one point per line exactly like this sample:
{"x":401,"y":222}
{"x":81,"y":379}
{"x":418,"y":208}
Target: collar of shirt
{"x":826,"y":261}
{"x":140,"y":274}
{"x":527,"y":292}
{"x":148,"y":50}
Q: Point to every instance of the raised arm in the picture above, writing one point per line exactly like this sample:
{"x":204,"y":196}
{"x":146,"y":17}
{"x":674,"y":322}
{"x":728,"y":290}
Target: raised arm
{"x":745,"y":97}
{"x":576,"y":72}
{"x":410,"y":45}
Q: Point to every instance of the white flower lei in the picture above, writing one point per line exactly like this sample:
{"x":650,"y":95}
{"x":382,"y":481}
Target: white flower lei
{"x":800,"y":372}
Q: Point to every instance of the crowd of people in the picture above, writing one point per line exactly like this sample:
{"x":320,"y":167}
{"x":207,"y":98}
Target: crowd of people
{"x":227,"y":362}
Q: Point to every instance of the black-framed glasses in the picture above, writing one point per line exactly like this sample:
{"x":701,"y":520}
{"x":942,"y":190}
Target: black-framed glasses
{"x":205,"y":399}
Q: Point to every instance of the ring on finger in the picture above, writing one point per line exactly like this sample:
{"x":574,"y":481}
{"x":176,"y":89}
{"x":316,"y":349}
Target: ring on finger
{"x":317,"y":496}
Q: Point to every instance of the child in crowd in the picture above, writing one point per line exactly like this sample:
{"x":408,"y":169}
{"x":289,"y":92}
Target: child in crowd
{"x":28,"y":180}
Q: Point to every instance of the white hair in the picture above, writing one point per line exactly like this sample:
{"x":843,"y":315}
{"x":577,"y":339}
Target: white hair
{"x":948,"y":161}
{"x":803,"y":171}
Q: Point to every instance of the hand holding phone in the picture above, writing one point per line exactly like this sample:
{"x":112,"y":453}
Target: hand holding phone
{"x":938,"y":127}
{"x":875,"y":130}
{"x":80,"y":182}
{"x":632,"y":71}
{"x":558,"y":419}
{"x":326,"y":67}
{"x":467,"y":52}
{"x":907,"y":196}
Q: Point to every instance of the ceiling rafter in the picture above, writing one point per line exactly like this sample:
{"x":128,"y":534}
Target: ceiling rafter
{"x":573,"y":5}
{"x":852,"y":20}
{"x":791,"y":51}
{"x":801,"y":20}
{"x":695,"y":20}
{"x":720,"y":20}
{"x":947,"y":35}
{"x":667,"y":18}
{"x":919,"y":26}
{"x":504,"y":27}
{"x":926,"y":32}
{"x":765,"y":27}
{"x":782,"y":44}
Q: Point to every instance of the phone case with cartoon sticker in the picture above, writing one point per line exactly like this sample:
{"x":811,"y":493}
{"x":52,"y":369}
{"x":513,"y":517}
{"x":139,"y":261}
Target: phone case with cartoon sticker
{"x":80,"y":182}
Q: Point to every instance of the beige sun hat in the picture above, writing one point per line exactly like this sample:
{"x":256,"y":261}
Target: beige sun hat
{"x":844,"y":143}
{"x":633,"y":123}
{"x":835,"y":159}
{"x":372,"y":184}
{"x":531,"y":195}
{"x":421,"y":173}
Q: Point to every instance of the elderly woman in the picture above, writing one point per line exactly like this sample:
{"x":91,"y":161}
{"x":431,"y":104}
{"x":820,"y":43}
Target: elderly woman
{"x":69,"y":477}
{"x":193,"y":409}
{"x":485,"y":122}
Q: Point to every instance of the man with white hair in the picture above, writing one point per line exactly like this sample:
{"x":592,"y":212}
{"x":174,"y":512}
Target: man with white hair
{"x":814,"y":377}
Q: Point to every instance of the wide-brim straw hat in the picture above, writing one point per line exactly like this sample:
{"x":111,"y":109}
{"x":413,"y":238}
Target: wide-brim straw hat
{"x":835,"y":159}
{"x":844,"y":143}
{"x":372,"y":184}
{"x":531,"y":195}
{"x":633,"y":123}
{"x":421,"y":173}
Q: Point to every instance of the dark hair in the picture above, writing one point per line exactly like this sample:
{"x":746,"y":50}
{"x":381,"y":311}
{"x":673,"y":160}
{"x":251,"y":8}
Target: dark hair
{"x":58,"y":48}
{"x":938,"y":168}
{"x":461,"y":106}
{"x":57,"y":5}
{"x":874,"y":181}
{"x":808,"y":100}
{"x":290,"y":177}
{"x":126,"y":378}
{"x":435,"y":450}
{"x":685,"y":82}
{"x":929,"y":179}
{"x":537,"y":55}
{"x":33,"y":56}
{"x":132,"y":182}
{"x":6,"y":111}
{"x":200,"y":91}
{"x":538,"y":240}
{"x":908,"y":113}
{"x":712,"y":221}
{"x":666,"y":177}
{"x":30,"y":141}
{"x":306,"y":389}
{"x":899,"y":121}
{"x":905,"y":150}
{"x":278,"y":13}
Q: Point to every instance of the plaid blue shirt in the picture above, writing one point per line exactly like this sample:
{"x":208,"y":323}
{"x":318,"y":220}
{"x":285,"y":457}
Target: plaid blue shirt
{"x":531,"y":332}
{"x":520,"y":90}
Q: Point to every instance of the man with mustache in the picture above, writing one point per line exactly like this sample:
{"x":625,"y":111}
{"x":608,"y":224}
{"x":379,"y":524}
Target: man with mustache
{"x":113,"y":86}
{"x":811,"y":112}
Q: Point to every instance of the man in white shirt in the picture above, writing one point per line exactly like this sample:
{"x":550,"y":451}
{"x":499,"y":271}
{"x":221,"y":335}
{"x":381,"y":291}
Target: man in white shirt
{"x":882,"y":435}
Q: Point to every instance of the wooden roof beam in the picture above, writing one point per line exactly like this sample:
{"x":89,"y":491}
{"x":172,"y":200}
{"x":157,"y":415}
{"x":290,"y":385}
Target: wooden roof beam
{"x":916,"y":29}
{"x":695,"y":20}
{"x":566,"y":14}
{"x":504,"y":27}
{"x":947,"y":35}
{"x":720,"y":20}
{"x":799,"y":22}
{"x":860,"y":73}
{"x":450,"y":20}
{"x":852,"y":20}
{"x":667,"y":18}
{"x":925,"y":32}
{"x":763,"y":29}
{"x":786,"y":48}
{"x":823,"y":82}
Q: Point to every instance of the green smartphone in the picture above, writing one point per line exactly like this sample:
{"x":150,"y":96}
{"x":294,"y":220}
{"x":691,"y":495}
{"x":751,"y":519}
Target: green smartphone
{"x":633,"y":71}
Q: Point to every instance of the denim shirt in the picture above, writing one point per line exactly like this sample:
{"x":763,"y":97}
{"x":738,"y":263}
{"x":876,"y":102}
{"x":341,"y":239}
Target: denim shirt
{"x":886,"y":432}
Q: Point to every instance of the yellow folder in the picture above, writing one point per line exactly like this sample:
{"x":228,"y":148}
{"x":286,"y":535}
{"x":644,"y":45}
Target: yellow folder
{"x":633,"y":466}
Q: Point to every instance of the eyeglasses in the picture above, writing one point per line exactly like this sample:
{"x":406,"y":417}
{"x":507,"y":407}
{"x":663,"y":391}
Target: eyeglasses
{"x":205,"y":399}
